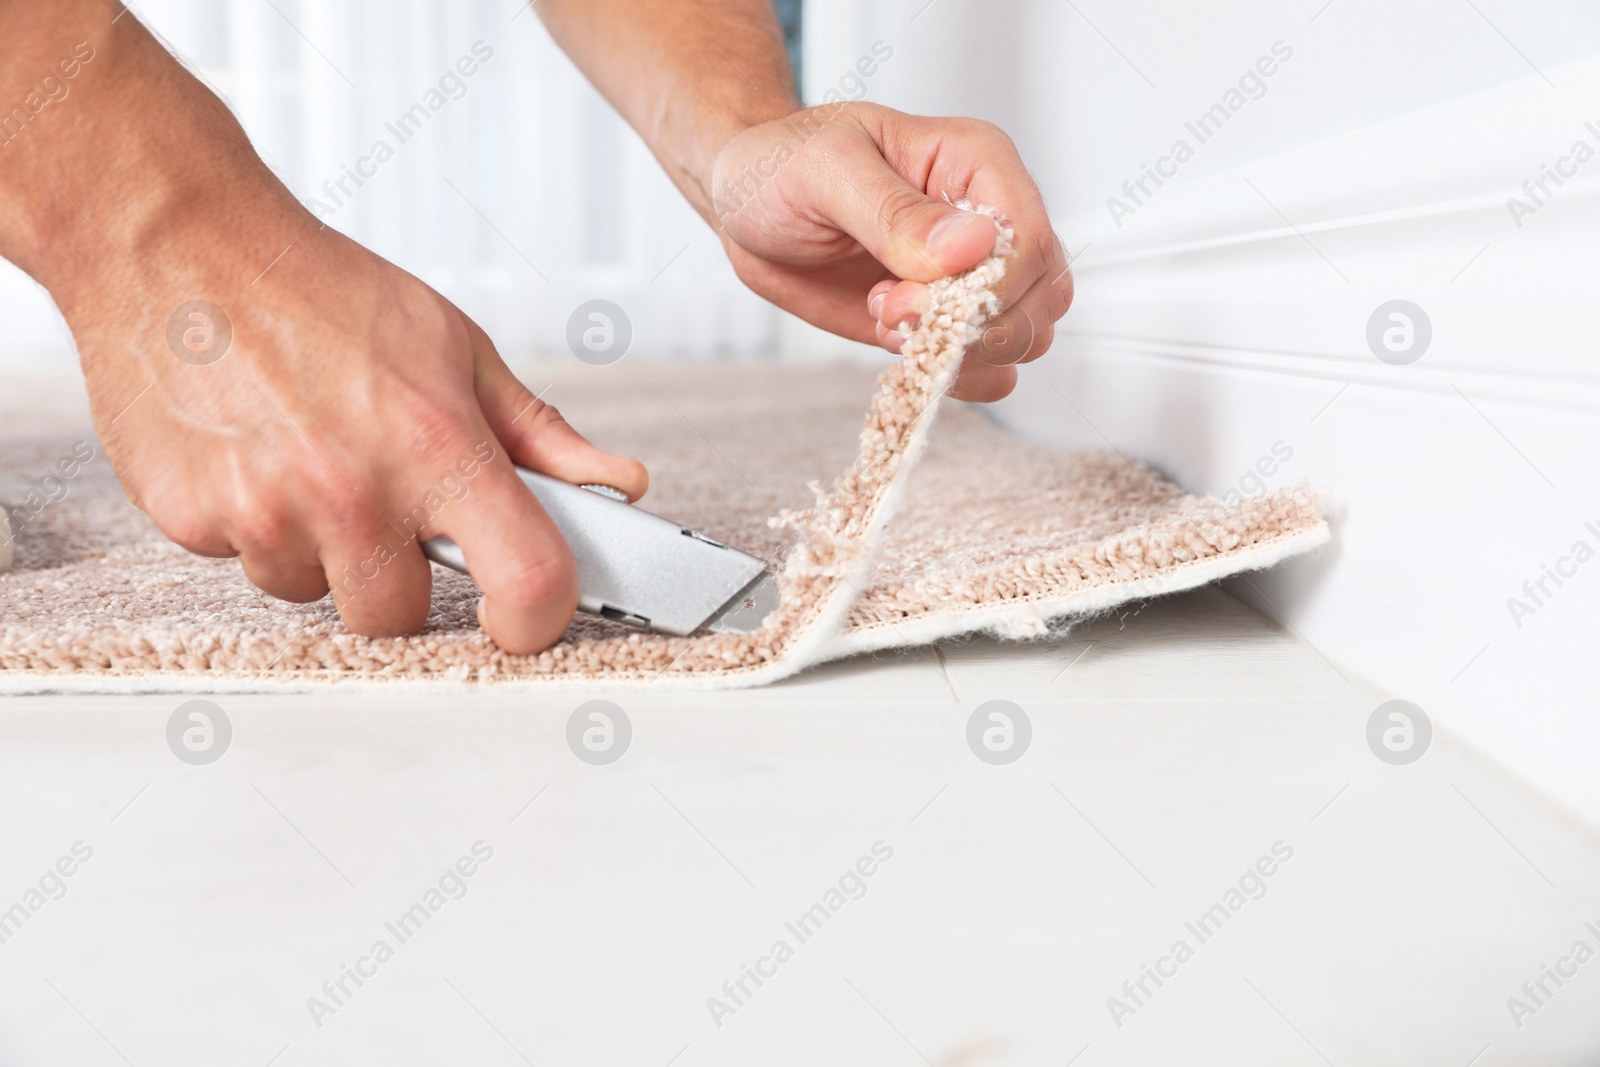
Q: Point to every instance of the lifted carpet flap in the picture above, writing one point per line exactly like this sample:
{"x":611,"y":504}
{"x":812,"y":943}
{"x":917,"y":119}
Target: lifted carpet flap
{"x":922,"y":537}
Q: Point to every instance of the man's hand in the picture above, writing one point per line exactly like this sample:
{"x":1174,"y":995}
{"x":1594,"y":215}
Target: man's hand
{"x":264,"y":387}
{"x":832,"y":213}
{"x":355,"y":413}
{"x":841,"y":215}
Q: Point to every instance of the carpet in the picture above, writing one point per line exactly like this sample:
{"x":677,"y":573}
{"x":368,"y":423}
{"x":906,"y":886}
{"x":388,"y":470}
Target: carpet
{"x":924,"y":536}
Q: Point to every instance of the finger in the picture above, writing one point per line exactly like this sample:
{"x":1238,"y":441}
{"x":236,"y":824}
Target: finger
{"x":1040,"y":257}
{"x":539,"y":439}
{"x":200,"y":542}
{"x":379,"y":579}
{"x":877,"y":295}
{"x":297,"y":579}
{"x":1003,"y":182}
{"x":1020,"y":334}
{"x":1010,"y":338}
{"x":517,"y":557}
{"x":892,"y":340}
{"x":1050,"y":282}
{"x":186,"y":523}
{"x":886,"y":336}
{"x":903,"y":306}
{"x":911,"y":233}
{"x":1023,"y":332}
{"x":277,"y":551}
{"x":983,"y":383}
{"x":1049,"y":295}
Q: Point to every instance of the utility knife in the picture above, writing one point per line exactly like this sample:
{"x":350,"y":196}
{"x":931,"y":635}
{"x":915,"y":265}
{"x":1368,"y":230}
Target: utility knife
{"x":641,"y":569}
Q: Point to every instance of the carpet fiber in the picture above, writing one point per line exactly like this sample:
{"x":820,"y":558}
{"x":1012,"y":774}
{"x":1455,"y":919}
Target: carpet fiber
{"x":924,"y":536}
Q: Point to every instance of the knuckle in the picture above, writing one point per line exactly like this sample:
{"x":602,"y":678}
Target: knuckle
{"x":1061,"y":294}
{"x":1045,"y":249}
{"x":984,"y":130}
{"x":316,"y":476}
{"x":194,"y":533}
{"x":1057,"y":299}
{"x":522,"y":399}
{"x":1040,"y":344}
{"x":264,"y":523}
{"x":1010,"y":337}
{"x":350,"y":511}
{"x":433,"y":429}
{"x":259,"y":513}
{"x":900,"y":205}
{"x":545,"y":415}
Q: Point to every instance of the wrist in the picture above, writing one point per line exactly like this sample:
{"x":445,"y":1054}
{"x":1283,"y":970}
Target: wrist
{"x":134,"y":177}
{"x":714,"y":130}
{"x":174,"y":227}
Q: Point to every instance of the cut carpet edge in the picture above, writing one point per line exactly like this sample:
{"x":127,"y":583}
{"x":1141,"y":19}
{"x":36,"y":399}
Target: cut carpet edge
{"x":1030,"y":618}
{"x":1004,"y":620}
{"x":808,"y":647}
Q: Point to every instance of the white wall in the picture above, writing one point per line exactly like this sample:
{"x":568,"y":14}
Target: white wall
{"x":1229,"y":313}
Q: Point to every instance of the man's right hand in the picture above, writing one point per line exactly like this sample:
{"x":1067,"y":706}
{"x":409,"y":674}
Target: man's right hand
{"x":353,"y":412}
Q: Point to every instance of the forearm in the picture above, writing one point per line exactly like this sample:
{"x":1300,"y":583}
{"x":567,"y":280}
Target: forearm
{"x":686,"y":74}
{"x":110,"y":153}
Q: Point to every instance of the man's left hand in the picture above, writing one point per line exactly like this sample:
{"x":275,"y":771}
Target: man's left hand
{"x":841,"y":215}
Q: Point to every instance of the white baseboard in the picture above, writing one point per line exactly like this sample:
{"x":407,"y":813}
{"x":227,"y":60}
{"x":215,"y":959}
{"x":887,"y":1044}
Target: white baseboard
{"x":1229,"y":316}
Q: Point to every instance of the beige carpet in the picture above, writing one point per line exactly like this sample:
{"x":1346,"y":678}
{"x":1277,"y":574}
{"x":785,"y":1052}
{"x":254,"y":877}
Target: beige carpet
{"x":984,"y":533}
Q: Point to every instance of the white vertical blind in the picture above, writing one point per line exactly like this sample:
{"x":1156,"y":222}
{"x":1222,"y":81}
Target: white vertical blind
{"x":520,"y":197}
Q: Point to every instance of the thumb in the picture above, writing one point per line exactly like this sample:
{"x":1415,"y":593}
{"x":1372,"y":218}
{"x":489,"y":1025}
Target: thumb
{"x":538,"y":438}
{"x":914,"y":235}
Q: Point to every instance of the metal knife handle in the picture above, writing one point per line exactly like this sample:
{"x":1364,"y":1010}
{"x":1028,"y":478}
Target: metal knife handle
{"x":633,"y":567}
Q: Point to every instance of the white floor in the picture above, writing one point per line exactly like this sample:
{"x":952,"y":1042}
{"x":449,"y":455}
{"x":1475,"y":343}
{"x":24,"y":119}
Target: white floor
{"x":1171,"y":750}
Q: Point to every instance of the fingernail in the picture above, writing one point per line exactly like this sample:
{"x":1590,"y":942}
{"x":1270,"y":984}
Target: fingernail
{"x":893,"y":341}
{"x":875,"y":305}
{"x":907,"y":324}
{"x":945,"y":230}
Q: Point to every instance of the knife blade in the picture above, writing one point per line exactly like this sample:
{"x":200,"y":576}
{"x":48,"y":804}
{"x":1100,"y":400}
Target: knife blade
{"x":643,"y":570}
